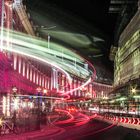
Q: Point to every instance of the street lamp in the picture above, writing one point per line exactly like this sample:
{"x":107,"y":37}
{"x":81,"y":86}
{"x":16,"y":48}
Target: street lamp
{"x":46,"y":28}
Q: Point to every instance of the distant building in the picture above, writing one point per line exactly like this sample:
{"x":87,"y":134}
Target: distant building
{"x":126,"y":93}
{"x":112,"y":54}
{"x":127,"y":59}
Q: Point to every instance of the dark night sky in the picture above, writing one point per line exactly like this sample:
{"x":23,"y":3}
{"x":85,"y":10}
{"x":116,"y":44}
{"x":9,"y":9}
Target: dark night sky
{"x":84,"y":15}
{"x":94,"y":12}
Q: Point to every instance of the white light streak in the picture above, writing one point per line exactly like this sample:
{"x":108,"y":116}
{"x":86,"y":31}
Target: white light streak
{"x":32,"y":47}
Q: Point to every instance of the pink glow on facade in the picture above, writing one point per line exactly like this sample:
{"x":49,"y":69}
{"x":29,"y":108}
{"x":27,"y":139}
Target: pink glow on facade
{"x":25,"y":68}
{"x":22,"y":69}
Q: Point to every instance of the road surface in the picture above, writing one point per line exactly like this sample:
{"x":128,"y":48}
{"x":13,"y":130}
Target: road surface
{"x":92,"y":130}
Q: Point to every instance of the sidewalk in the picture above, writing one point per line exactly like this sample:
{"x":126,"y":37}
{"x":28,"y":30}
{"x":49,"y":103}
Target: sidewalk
{"x":46,"y":131}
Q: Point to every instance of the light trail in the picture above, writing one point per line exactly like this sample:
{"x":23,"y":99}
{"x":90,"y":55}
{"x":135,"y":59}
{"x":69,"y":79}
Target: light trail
{"x":38,"y":49}
{"x":71,"y":117}
{"x":77,"y":122}
{"x":82,"y":121}
{"x":78,"y":88}
{"x":35,"y":46}
{"x":36,"y":96}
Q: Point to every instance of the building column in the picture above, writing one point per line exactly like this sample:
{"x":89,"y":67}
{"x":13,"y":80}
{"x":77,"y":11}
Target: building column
{"x":54,"y":79}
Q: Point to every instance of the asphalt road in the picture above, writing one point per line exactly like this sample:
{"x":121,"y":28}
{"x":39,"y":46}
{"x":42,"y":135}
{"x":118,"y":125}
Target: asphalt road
{"x":93,"y":130}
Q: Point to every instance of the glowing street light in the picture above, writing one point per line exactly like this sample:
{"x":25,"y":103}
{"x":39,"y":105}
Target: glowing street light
{"x":133,"y":90}
{"x":45,"y":91}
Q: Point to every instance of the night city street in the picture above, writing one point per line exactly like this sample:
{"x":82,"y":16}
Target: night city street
{"x":69,"y":70}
